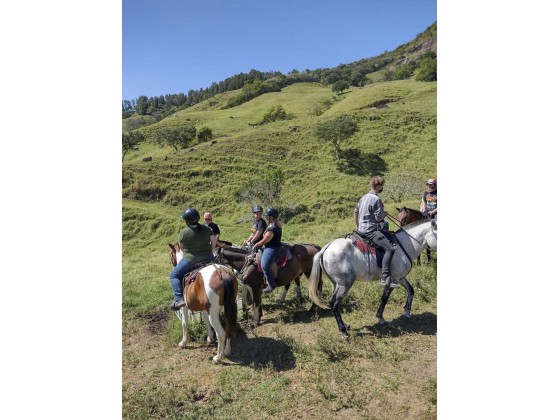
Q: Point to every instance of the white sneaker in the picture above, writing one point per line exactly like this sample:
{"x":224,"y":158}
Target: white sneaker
{"x":393,"y":283}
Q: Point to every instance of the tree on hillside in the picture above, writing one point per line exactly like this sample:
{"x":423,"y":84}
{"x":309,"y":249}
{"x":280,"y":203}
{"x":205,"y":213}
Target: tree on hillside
{"x":175,"y":137}
{"x":274,"y":114}
{"x":336,"y":131}
{"x":265,"y":190}
{"x":427,"y":69}
{"x":400,"y":186}
{"x":205,"y":134}
{"x":340,"y":86}
{"x":131,"y":140}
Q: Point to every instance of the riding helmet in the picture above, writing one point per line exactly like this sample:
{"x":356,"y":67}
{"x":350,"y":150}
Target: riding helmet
{"x":257,"y":208}
{"x":272,"y":212}
{"x":431,"y":181}
{"x":191,"y":216}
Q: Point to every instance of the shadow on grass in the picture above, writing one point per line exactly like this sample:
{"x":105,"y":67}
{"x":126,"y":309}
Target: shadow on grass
{"x":261,"y":352}
{"x":355,"y":162}
{"x":425,"y":324}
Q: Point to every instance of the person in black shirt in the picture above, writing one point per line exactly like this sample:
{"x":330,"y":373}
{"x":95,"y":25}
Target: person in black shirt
{"x":258,"y":228}
{"x":272,"y":242}
{"x":211,"y":224}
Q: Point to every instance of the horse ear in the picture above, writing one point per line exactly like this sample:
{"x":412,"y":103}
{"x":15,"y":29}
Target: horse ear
{"x":171,"y":246}
{"x":398,"y":209}
{"x":434,"y":224}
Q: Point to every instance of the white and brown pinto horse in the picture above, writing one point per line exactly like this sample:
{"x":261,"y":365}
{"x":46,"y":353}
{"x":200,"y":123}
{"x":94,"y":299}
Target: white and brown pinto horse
{"x":213,"y":287}
{"x":343,"y":263}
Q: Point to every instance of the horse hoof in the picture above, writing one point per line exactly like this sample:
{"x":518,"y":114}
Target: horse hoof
{"x":407,"y":314}
{"x":216,"y":360}
{"x":382,"y":321}
{"x":182,"y":345}
{"x":345,"y":337}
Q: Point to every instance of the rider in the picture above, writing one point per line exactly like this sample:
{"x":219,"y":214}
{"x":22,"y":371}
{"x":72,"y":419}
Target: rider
{"x":369,"y":215}
{"x":272,"y":241}
{"x":198,"y":242}
{"x":428,"y":206}
{"x":208,"y":222}
{"x":258,"y":228}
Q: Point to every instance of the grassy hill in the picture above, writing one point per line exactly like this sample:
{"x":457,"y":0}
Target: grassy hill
{"x":397,"y":135}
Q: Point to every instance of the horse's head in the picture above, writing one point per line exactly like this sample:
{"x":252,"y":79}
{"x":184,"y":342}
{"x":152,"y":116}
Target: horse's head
{"x":402,"y":216}
{"x":176,"y":253}
{"x":431,"y":237}
{"x":406,"y":216}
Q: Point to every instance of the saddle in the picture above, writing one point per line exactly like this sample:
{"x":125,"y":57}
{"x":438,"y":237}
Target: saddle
{"x":284,"y":256}
{"x":190,"y":276}
{"x":364,"y":245}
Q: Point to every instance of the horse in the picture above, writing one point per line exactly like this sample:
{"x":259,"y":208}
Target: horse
{"x":343,"y":263}
{"x":406,"y":216}
{"x":214,"y":286}
{"x":245,"y":263}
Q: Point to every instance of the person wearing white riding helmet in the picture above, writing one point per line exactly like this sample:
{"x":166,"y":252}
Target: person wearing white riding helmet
{"x":258,"y":228}
{"x":428,"y":206}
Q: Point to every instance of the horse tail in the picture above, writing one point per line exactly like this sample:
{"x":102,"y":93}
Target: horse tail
{"x":230,"y":303}
{"x":315,"y":278}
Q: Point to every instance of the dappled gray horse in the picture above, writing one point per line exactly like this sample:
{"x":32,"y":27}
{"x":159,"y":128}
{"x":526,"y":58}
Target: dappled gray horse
{"x":343,"y":263}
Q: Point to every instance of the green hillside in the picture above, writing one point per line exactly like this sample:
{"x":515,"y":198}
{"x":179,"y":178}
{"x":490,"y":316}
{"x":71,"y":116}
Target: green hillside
{"x":402,"y":136}
{"x":397,"y":138}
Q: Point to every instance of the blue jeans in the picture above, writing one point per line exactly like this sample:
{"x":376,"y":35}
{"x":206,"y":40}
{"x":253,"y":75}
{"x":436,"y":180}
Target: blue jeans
{"x":269,"y":256}
{"x":176,"y":278}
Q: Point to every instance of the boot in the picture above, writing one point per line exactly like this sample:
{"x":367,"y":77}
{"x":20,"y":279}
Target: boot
{"x":178,"y":304}
{"x":270,"y":286}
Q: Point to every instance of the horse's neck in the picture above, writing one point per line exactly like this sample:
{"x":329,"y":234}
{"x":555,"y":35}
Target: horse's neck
{"x":413,"y":239}
{"x":235,"y":258}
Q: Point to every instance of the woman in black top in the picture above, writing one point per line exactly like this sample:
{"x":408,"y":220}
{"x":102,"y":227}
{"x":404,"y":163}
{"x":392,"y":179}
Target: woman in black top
{"x":272,"y":241}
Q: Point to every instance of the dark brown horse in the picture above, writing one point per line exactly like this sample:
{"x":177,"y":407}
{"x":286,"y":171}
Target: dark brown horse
{"x":407,"y":216}
{"x":245,"y":263}
{"x":212,"y":288}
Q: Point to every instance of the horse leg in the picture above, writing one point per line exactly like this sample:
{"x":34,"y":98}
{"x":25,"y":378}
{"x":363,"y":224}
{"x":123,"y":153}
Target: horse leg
{"x":297,"y":281}
{"x":409,"y":296}
{"x":210,"y":338}
{"x":429,"y":255}
{"x":214,"y":317}
{"x":418,"y":260}
{"x":284,"y":293}
{"x":257,"y":305}
{"x":338,"y":293}
{"x":185,"y":326}
{"x":384,"y":299}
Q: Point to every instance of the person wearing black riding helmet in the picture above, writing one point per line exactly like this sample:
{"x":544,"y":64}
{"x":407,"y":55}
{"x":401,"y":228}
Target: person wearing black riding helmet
{"x":258,"y":228}
{"x":198,"y":242}
{"x":272,"y":242}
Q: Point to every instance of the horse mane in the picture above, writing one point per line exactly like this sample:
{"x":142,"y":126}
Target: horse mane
{"x":412,"y":210}
{"x":414,"y":224}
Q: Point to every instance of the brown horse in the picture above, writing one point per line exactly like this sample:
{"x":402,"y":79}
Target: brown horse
{"x":208,"y":290}
{"x":407,"y":216}
{"x":245,"y":263}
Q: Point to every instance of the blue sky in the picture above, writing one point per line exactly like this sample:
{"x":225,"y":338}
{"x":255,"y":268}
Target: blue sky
{"x":172,"y":46}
